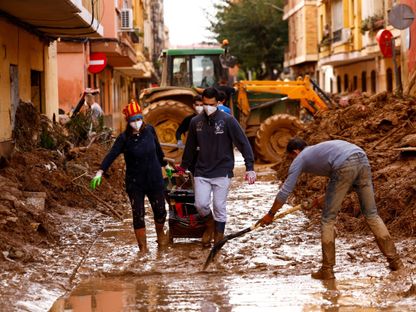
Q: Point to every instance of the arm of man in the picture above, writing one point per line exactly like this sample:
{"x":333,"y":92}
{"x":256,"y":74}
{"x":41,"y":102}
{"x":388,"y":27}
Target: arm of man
{"x":183,"y":127}
{"x":189,"y":153}
{"x":240,"y":140}
{"x":287,"y":188}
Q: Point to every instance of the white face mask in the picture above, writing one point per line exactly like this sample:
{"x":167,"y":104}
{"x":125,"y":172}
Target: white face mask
{"x":137,"y":124}
{"x":209,"y":109}
{"x":199,"y":109}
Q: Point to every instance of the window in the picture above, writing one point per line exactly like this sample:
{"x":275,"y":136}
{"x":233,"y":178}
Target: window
{"x":364,"y":81}
{"x":355,"y":83}
{"x":180,"y":72}
{"x":373,"y":81}
{"x":337,"y":20}
{"x":389,"y":80}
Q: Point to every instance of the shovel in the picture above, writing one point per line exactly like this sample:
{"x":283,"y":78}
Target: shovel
{"x":216,"y":248}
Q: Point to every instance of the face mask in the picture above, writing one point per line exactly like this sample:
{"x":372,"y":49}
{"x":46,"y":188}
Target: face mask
{"x":137,"y":124}
{"x":209,"y":109}
{"x":199,"y":109}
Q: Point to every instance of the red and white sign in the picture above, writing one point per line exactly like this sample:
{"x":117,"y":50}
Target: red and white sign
{"x":98,"y":61}
{"x":385,"y":41}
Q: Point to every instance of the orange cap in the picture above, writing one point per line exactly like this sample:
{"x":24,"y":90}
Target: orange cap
{"x":132,"y":110}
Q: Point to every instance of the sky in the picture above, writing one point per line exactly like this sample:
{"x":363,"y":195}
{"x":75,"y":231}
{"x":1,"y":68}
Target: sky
{"x":187,"y":20}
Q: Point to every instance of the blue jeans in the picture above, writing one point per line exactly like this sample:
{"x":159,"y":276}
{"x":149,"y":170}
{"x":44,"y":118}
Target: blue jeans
{"x":354,"y":174}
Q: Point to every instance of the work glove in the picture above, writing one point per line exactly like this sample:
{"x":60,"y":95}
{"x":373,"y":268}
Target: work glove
{"x":169,"y":171}
{"x":180,"y":144}
{"x":250,"y":177}
{"x":96,"y":181}
{"x":180,"y":170}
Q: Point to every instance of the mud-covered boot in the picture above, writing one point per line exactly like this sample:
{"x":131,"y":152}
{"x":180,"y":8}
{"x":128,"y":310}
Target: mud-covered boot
{"x":326,"y":272}
{"x":385,"y":243}
{"x":218,"y":236}
{"x":219,"y":231}
{"x":209,"y":230}
{"x":388,"y":249}
{"x":141,"y":239}
{"x":162,"y":238}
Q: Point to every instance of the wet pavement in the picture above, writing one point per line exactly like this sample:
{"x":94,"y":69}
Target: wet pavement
{"x":268,"y":269}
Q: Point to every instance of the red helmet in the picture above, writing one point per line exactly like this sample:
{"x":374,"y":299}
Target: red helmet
{"x":132,"y":111}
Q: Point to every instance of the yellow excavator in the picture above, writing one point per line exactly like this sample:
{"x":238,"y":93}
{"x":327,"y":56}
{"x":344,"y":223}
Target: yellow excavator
{"x":271,"y":112}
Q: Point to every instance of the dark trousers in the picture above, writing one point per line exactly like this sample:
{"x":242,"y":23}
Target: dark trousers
{"x":157,"y":202}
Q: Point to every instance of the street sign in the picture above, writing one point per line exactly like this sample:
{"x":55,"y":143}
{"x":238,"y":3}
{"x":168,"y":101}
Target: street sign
{"x":98,"y":61}
{"x":384,"y":38}
{"x":401,"y":16}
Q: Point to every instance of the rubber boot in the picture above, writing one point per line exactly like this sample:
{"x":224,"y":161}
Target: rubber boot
{"x":162,"y":238}
{"x":219,"y":231}
{"x":385,"y":243}
{"x":141,"y":239}
{"x":209,"y":230}
{"x":388,"y":249}
{"x":326,"y":272}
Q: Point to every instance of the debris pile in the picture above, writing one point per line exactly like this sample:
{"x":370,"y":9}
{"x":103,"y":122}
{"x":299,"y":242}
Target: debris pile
{"x":49,"y":173}
{"x":384,"y":126}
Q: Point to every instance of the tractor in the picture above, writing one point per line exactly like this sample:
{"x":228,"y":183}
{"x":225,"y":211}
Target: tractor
{"x":268,"y":111}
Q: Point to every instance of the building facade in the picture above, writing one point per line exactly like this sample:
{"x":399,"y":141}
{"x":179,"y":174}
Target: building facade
{"x":28,"y":45}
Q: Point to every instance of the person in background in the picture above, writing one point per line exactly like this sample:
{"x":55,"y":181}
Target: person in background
{"x":222,"y":98}
{"x":209,"y":145}
{"x":144,"y":158}
{"x":229,"y":91}
{"x":184,"y":126}
{"x":347,"y":167}
{"x":95,"y":109}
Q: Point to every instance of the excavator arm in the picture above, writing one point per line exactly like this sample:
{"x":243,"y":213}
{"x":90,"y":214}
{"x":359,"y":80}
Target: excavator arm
{"x":300,"y":89}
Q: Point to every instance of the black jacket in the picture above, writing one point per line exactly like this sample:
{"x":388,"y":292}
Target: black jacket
{"x":143,"y":156}
{"x":184,"y":126}
{"x":215,"y":136}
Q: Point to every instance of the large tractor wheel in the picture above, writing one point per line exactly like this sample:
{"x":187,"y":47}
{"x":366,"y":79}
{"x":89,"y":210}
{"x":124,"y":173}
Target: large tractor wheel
{"x":166,"y":116}
{"x":274,"y":134}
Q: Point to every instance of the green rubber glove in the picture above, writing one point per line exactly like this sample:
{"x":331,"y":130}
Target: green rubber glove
{"x":169,"y":171}
{"x":96,"y":181}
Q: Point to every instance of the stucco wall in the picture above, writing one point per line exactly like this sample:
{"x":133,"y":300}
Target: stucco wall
{"x":27,"y":52}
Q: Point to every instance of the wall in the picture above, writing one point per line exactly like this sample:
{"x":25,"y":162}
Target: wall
{"x":71,"y":74}
{"x":28,"y":52}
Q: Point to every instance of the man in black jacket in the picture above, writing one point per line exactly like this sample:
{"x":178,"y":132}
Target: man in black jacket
{"x":184,"y":126}
{"x":215,"y":133}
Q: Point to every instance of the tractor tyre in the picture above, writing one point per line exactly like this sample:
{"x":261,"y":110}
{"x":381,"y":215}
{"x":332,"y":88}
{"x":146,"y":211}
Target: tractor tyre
{"x":274,"y":134}
{"x":165,"y":116}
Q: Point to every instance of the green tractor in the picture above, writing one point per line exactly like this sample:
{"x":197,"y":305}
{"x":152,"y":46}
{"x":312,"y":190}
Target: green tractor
{"x":185,"y":73}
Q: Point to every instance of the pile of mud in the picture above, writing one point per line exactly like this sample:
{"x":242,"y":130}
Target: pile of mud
{"x":49,"y":173}
{"x":384,"y":126}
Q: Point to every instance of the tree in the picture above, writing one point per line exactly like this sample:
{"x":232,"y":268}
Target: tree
{"x":256,"y":33}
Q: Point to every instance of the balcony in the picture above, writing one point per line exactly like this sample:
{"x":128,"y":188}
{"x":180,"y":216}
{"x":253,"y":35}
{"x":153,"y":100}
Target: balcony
{"x":57,"y":18}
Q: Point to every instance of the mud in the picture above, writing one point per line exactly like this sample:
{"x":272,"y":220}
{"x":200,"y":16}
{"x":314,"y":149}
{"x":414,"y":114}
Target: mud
{"x":73,"y":238}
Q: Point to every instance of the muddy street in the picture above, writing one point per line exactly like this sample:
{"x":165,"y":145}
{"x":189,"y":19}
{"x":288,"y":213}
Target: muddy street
{"x":264,"y":270}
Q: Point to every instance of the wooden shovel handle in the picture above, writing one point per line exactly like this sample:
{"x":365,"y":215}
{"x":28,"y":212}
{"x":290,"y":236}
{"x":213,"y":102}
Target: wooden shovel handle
{"x":280,"y":215}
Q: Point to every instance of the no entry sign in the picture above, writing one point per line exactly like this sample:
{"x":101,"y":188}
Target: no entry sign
{"x":98,"y":61}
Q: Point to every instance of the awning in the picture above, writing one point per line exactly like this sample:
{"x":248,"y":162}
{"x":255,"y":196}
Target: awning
{"x":143,"y":70}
